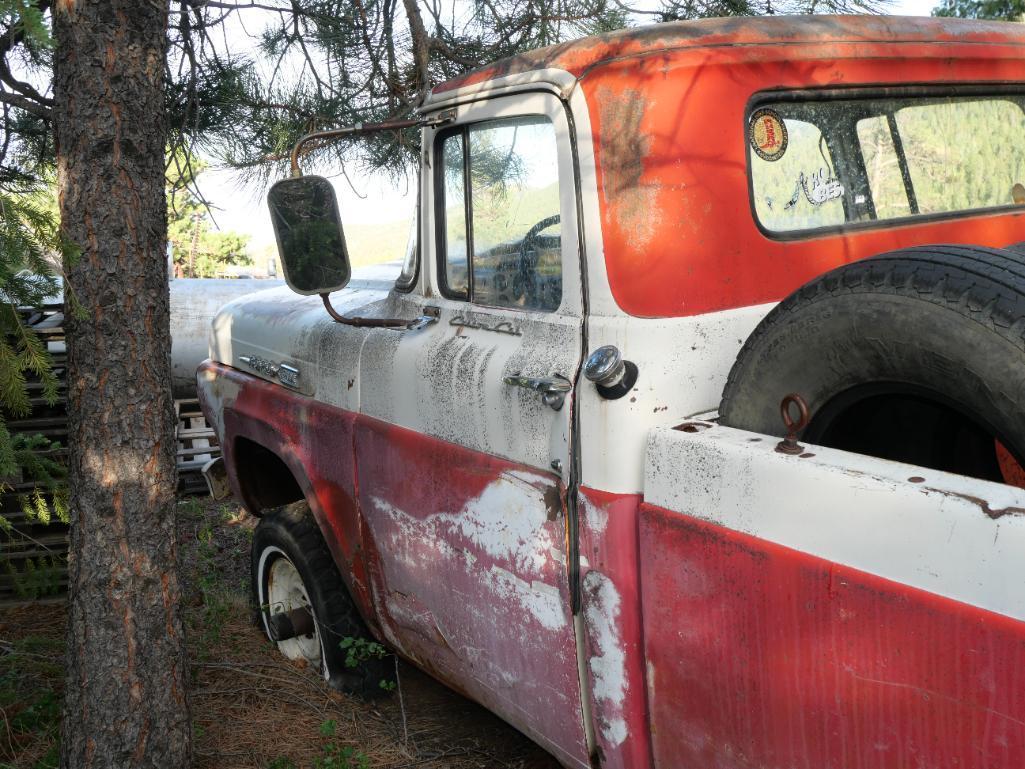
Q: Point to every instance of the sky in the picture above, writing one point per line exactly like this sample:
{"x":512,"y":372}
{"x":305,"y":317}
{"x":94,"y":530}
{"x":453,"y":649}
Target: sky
{"x":242,"y":208}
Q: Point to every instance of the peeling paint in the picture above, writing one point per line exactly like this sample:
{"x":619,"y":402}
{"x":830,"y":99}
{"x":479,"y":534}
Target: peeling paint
{"x":587,"y":55}
{"x":539,"y":598}
{"x":217,"y":394}
{"x":596,"y":517}
{"x":507,"y":523}
{"x":850,"y":509}
{"x":470,"y":540}
{"x":789,"y":660}
{"x":983,"y":504}
{"x":608,"y":658}
{"x":466,"y":557}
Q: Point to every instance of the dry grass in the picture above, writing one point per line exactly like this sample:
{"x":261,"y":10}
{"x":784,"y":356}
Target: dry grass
{"x":251,"y":708}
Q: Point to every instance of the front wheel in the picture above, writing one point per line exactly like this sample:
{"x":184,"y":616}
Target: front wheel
{"x":305,"y":608}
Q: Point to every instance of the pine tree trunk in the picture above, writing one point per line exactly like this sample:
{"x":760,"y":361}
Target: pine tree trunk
{"x":125,"y":696}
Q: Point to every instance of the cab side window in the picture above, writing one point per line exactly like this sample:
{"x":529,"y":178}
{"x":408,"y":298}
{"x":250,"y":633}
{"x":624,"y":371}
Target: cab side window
{"x":499,"y":201}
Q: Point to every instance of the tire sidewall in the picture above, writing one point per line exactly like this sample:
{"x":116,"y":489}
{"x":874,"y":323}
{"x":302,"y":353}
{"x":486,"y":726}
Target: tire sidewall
{"x":270,"y":542}
{"x":824,"y":348}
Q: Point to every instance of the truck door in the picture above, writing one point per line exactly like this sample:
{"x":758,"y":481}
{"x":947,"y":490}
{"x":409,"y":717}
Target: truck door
{"x":464,"y":446}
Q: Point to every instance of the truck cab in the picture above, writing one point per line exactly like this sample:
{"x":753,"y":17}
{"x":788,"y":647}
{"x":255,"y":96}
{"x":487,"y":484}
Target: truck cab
{"x":523,"y":484}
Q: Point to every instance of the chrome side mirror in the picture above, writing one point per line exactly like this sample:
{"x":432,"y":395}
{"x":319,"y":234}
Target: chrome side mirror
{"x":308,"y":229}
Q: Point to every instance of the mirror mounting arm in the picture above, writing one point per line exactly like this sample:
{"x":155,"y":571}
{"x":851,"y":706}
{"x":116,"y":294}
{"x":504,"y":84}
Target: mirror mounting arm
{"x":430,"y":316}
{"x":358,"y":129}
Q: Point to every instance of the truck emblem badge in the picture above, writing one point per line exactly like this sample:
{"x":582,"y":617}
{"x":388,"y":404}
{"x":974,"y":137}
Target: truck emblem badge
{"x":284,"y":373}
{"x":767,"y":134}
{"x":466,"y":320}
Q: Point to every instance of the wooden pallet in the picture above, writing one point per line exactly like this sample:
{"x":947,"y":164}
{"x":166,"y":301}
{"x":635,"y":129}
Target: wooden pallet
{"x":197,"y":445}
{"x":30,"y":543}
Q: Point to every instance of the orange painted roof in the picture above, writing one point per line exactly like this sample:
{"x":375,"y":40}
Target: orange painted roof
{"x":578,"y":56}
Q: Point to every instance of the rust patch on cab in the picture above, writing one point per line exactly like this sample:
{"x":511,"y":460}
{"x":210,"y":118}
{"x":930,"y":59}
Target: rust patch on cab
{"x":622,"y":148}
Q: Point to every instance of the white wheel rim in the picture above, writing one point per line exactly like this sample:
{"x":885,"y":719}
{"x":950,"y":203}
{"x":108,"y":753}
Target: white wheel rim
{"x":285,"y":591}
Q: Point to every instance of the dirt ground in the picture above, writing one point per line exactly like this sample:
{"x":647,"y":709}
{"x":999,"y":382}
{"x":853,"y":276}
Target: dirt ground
{"x":250,"y":707}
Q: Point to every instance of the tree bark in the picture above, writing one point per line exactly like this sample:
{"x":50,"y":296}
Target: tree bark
{"x":125,"y":696}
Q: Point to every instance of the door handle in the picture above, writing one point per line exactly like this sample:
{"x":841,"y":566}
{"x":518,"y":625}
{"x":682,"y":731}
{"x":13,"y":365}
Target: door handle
{"x":430,"y":315}
{"x":553,"y":389}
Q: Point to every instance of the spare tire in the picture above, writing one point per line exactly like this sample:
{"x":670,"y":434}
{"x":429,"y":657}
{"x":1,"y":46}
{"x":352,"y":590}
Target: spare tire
{"x":916,"y":355}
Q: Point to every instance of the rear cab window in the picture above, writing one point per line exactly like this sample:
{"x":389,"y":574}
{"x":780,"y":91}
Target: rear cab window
{"x":831,"y":162}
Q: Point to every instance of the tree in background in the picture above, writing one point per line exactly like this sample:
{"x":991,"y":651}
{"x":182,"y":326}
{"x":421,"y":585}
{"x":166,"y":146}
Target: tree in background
{"x":323,"y":63}
{"x":30,"y":240}
{"x":199,"y":250}
{"x":1000,"y":10}
{"x":31,"y":247}
{"x":680,"y":10}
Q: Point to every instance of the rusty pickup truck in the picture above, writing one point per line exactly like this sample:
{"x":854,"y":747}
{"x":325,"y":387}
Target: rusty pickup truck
{"x":690,"y":434}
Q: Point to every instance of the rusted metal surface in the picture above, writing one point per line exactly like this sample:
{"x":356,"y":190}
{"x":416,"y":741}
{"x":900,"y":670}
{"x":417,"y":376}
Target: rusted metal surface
{"x":868,"y":616}
{"x":291,"y":624}
{"x":469,"y":560}
{"x":581,"y":56}
{"x":789,"y":444}
{"x":924,"y":528}
{"x":314,"y":441}
{"x":693,"y":178}
{"x":325,"y":137}
{"x":216,"y":477}
{"x":667,"y":115}
{"x":847,"y":623}
{"x":337,"y":317}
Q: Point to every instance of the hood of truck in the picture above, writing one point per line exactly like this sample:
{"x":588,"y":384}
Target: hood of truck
{"x":289,"y":339}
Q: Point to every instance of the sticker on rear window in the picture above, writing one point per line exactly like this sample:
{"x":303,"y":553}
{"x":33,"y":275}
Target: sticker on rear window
{"x":767,"y":134}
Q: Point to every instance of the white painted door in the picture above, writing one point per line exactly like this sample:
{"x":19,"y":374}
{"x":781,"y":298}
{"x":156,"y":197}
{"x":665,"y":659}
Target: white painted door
{"x":463,"y":465}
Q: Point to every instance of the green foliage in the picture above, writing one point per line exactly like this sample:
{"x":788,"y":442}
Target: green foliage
{"x":191,"y":508}
{"x":31,"y":248}
{"x":189,"y":227}
{"x":39,"y":576}
{"x":216,"y":603}
{"x":676,"y":10}
{"x":333,"y":755}
{"x":30,"y":698}
{"x":25,"y":18}
{"x":999,"y":10}
{"x":337,"y":756}
{"x":359,"y":650}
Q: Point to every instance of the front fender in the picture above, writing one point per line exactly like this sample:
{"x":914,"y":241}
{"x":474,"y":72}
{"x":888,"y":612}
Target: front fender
{"x":313,"y":440}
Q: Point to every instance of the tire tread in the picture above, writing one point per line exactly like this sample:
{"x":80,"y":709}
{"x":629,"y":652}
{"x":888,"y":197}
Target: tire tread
{"x":295,"y":523}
